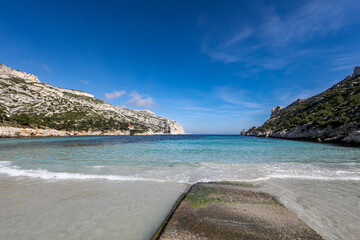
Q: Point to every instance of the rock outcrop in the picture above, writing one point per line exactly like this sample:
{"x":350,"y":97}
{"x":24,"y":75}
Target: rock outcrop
{"x":7,"y":72}
{"x":12,"y":132}
{"x":26,"y":103}
{"x":356,"y":71}
{"x":276,"y":110}
{"x":331,"y":116}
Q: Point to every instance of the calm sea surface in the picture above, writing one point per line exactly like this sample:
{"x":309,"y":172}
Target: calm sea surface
{"x":121,"y":187}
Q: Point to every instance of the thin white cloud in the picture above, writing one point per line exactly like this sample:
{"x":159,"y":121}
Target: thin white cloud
{"x":115,"y":94}
{"x":309,"y":20}
{"x":346,"y":61}
{"x":280,"y":37}
{"x":192,"y":108}
{"x":287,"y":96}
{"x":46,"y":68}
{"x":234,"y":96}
{"x":238,"y":37}
{"x":222,"y":56}
{"x":138,"y":100}
{"x":37,"y":64}
{"x":86,"y":82}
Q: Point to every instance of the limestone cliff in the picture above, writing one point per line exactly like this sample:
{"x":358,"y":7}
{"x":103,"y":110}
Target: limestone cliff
{"x":29,"y":107}
{"x":331,"y":116}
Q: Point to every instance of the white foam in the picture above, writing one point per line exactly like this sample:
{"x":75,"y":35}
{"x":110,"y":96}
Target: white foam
{"x":15,"y":171}
{"x":98,"y":166}
{"x":204,"y":173}
{"x":310,"y":177}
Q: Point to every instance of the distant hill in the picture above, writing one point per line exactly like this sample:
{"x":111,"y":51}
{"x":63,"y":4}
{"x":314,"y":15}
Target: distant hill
{"x":332,"y":116}
{"x":29,"y":107}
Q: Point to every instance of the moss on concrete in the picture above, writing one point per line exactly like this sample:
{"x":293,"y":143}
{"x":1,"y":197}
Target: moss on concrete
{"x":201,"y":198}
{"x":228,"y":211}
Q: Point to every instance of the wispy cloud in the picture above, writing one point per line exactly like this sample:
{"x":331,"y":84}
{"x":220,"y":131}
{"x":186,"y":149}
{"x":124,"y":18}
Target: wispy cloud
{"x":204,"y":109}
{"x":83,"y":81}
{"x":234,"y":96}
{"x":311,"y":19}
{"x":278,"y":37}
{"x":285,"y":97}
{"x":46,"y":67}
{"x":115,"y":94}
{"x":238,"y":37}
{"x":37,"y":64}
{"x":138,"y":100}
{"x":221,"y":56}
{"x":346,"y":61}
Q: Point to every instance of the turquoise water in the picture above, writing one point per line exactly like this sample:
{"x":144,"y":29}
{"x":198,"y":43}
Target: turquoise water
{"x":121,"y":187}
{"x":185,"y":159}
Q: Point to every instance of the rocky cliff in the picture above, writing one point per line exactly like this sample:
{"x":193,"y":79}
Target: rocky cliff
{"x":331,"y":116}
{"x":29,"y":107}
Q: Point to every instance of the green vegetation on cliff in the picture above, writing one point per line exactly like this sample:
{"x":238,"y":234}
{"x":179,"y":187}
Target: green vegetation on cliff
{"x":335,"y":107}
{"x":27,"y":102}
{"x":78,"y":121}
{"x":30,"y":103}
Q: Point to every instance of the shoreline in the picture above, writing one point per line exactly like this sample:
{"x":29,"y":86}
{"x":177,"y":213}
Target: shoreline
{"x":231,"y":210}
{"x":310,"y":191}
{"x":311,"y":140}
{"x":7,"y":132}
{"x":345,"y":134}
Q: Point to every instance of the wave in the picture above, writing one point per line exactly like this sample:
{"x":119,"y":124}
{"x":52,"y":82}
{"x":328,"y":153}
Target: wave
{"x":15,"y":171}
{"x":309,"y":177}
{"x":205,"y":173}
{"x":98,"y":166}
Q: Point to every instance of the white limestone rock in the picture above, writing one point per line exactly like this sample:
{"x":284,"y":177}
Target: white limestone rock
{"x":14,"y":132}
{"x":8,"y":72}
{"x":34,"y":97}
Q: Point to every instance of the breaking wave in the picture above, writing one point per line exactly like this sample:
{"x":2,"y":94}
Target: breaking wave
{"x":204,"y":173}
{"x":15,"y":171}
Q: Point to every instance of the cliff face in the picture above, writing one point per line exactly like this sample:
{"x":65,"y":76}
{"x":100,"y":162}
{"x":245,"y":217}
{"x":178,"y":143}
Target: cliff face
{"x":332,"y":116}
{"x":7,"y":72}
{"x":43,"y":109}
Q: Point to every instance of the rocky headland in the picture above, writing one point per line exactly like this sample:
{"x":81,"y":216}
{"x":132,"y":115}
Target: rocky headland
{"x":29,"y":107}
{"x":331,"y":116}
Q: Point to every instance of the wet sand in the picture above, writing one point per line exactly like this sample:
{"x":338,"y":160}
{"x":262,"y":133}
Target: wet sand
{"x":34,"y":209}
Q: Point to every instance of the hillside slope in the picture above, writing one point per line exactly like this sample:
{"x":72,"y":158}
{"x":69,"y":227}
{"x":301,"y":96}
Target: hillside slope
{"x":333,"y":115}
{"x":44,"y":109}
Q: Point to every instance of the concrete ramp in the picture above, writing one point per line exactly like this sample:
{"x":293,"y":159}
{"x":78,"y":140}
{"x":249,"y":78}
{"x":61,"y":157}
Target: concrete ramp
{"x":228,"y":210}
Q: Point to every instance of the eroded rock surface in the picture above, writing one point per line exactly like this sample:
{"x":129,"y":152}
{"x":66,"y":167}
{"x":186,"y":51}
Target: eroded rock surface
{"x":26,"y":103}
{"x":331,"y":116}
{"x":232,"y":211}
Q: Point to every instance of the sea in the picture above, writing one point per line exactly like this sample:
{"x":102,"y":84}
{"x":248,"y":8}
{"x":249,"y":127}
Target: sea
{"x":122,"y":187}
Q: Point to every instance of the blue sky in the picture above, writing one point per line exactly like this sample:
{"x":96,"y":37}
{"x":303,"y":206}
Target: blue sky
{"x":213,"y":66}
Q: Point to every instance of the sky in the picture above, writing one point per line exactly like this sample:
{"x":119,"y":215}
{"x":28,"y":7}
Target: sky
{"x":213,"y":66}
